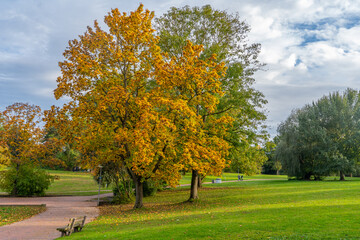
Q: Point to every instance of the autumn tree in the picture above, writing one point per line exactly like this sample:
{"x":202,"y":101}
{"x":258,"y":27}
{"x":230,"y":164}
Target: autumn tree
{"x":21,"y":136}
{"x":322,"y":138}
{"x":20,"y":132}
{"x":225,"y":35}
{"x":201,"y":140}
{"x":125,"y":107}
{"x":4,"y":157}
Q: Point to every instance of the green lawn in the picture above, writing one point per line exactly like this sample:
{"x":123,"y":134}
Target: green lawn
{"x":74,"y":183}
{"x":17,"y":213}
{"x":186,"y":179}
{"x":275,"y":209}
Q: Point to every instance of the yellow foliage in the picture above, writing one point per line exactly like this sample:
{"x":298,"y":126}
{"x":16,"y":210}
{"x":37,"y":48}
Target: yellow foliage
{"x":4,"y":158}
{"x":20,"y":134}
{"x":132,"y":104}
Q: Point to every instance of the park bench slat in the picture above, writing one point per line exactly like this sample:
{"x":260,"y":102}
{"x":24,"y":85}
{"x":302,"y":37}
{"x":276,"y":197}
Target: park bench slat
{"x":74,"y":225}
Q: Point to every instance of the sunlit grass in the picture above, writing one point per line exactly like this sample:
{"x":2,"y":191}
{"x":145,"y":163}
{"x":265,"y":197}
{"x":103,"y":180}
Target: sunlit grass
{"x":186,"y":179}
{"x":275,"y":209}
{"x":74,"y":183}
{"x":10,"y":214}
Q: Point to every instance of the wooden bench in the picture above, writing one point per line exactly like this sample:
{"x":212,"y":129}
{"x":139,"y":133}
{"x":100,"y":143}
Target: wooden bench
{"x":74,"y":225}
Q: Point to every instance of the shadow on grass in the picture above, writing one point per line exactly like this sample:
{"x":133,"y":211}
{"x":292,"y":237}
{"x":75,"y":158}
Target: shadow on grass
{"x":326,"y":222}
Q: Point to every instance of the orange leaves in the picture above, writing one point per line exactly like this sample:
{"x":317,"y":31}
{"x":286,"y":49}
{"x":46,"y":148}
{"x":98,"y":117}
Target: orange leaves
{"x":20,"y":133}
{"x":131,"y":104}
{"x":4,"y":156}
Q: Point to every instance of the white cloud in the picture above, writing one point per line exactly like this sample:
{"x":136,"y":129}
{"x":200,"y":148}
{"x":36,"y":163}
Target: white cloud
{"x":349,"y":38}
{"x":304,"y":4}
{"x":311,"y":47}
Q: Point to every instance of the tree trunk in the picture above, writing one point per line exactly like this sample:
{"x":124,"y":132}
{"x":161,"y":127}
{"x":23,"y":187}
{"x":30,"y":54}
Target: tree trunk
{"x":200,"y":181}
{"x":138,"y":188}
{"x":14,"y":191}
{"x":342,"y":176}
{"x":194,"y":186}
{"x":139,"y":192}
{"x":277,"y":172}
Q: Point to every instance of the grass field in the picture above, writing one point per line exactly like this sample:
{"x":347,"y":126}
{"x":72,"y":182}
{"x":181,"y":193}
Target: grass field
{"x":74,"y":183}
{"x":274,"y":209}
{"x":14,"y":214}
{"x":186,"y":179}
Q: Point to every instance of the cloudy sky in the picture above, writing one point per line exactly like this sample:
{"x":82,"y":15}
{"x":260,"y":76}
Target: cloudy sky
{"x":311,"y":47}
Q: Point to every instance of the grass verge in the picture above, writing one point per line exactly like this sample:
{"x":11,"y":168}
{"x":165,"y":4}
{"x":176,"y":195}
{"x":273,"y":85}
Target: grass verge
{"x":10,"y":214}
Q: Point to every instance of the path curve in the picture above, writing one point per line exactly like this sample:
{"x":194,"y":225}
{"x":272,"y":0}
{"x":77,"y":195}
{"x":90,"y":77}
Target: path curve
{"x":43,"y":226}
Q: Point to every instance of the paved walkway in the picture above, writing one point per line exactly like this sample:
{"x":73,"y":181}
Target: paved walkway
{"x":43,"y":226}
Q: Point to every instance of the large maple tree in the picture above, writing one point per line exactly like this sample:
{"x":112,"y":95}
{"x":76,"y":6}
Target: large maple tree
{"x":132,"y":104}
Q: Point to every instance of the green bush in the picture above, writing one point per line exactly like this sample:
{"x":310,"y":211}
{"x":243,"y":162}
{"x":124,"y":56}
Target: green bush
{"x":26,"y":181}
{"x":149,"y":188}
{"x":123,"y":194}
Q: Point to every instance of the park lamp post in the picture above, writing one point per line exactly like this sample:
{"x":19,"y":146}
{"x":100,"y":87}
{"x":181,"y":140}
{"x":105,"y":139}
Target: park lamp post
{"x":99,"y":186}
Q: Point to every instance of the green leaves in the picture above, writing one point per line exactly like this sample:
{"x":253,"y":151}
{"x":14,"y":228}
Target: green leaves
{"x":224,"y":35}
{"x":322,"y":138}
{"x":25,"y":180}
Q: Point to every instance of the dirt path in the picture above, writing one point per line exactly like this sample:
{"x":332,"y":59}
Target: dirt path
{"x":43,"y":226}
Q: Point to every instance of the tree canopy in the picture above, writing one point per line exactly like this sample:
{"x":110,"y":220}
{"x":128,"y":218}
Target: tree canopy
{"x":322,"y":138}
{"x":134,"y":105}
{"x":21,"y":148}
{"x":225,"y":35}
{"x":20,"y":134}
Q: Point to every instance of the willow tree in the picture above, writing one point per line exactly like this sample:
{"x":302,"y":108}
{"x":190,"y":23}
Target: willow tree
{"x":124,"y":104}
{"x":225,"y":35}
{"x":322,"y":138}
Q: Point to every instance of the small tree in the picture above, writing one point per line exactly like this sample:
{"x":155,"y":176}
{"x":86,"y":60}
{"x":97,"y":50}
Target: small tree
{"x":21,"y":137}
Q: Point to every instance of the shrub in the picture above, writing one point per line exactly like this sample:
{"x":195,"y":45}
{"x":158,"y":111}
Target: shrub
{"x":149,"y":188}
{"x":26,"y":181}
{"x":123,"y":193}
